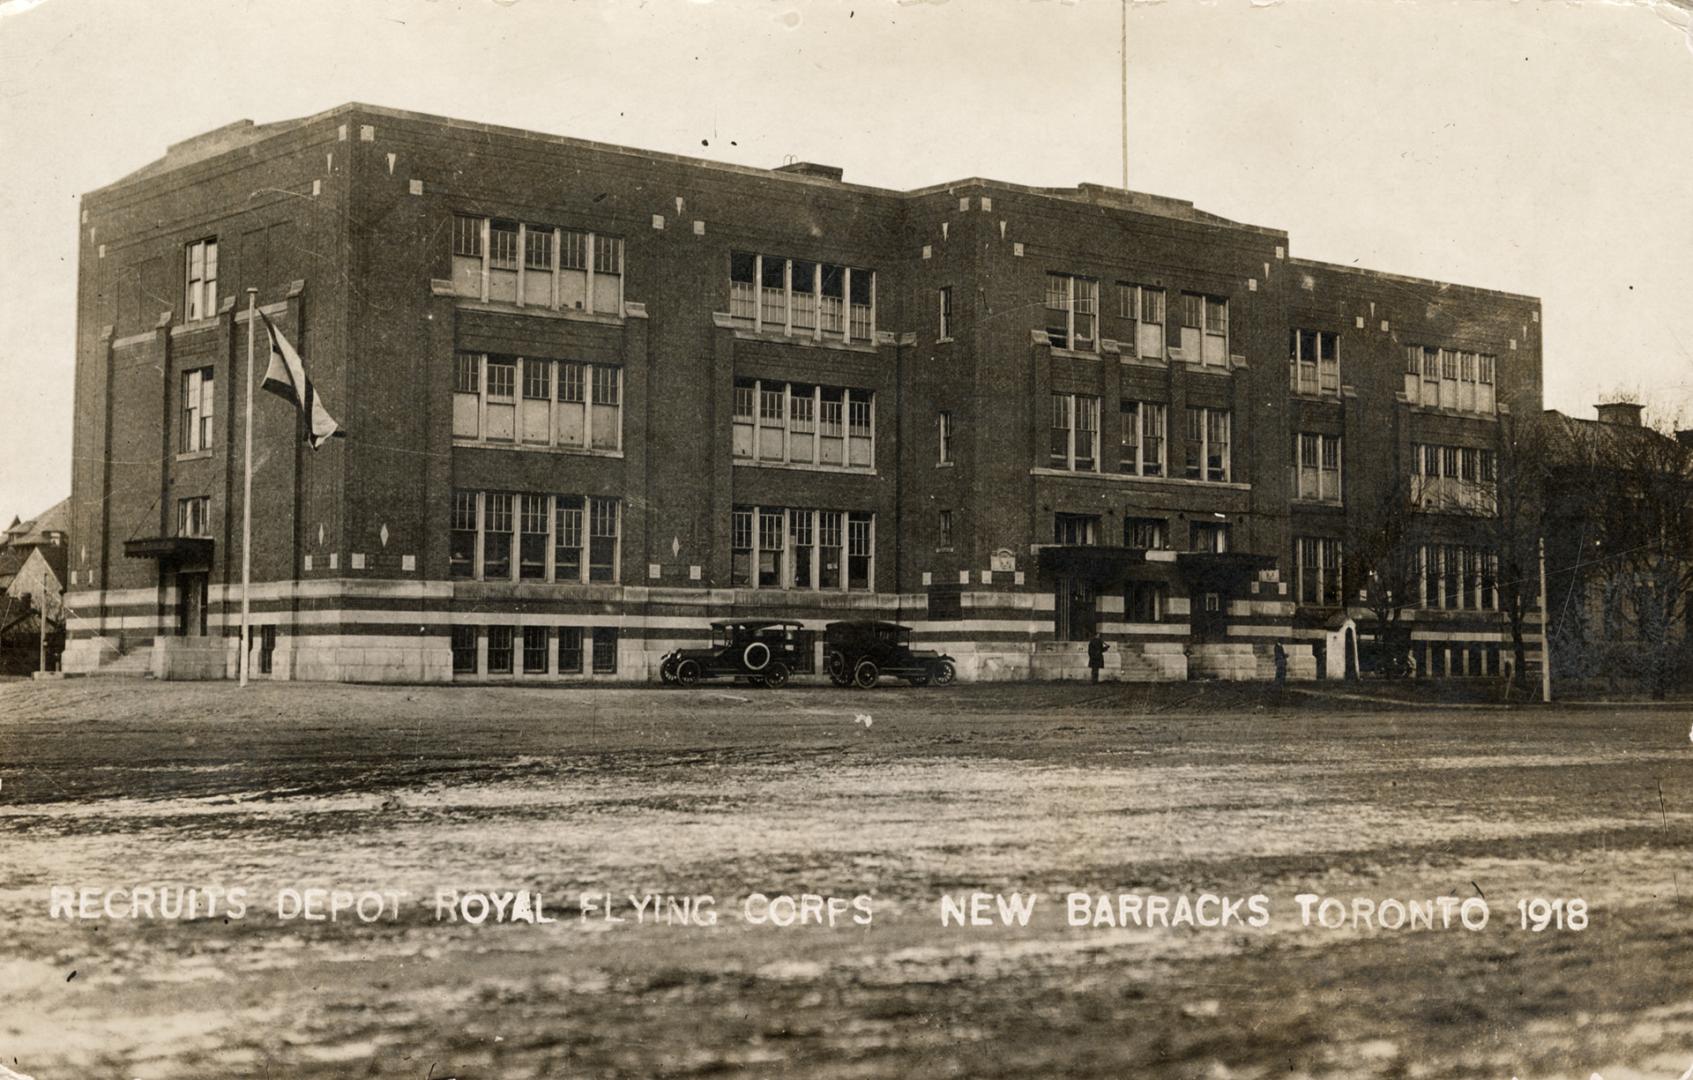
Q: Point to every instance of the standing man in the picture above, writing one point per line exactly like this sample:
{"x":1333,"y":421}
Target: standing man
{"x":1096,"y":654}
{"x":1281,"y":666}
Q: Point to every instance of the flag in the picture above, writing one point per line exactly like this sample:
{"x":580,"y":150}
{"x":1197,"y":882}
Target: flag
{"x":286,"y":378}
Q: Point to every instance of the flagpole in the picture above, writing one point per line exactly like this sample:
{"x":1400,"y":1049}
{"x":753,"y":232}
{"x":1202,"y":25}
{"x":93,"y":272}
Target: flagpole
{"x":247,"y":490}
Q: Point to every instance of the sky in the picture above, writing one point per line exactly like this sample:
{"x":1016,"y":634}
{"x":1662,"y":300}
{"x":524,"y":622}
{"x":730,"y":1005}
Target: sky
{"x":1535,"y":147}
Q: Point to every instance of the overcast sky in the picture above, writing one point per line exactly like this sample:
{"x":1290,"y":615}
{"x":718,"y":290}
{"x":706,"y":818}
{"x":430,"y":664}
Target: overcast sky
{"x":1541,"y":148}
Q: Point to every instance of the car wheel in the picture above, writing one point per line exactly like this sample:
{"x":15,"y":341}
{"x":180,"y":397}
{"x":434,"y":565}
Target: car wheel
{"x":756,"y":656}
{"x":776,"y":675}
{"x":688,"y":672}
{"x":837,"y":664}
{"x":667,"y":672}
{"x":944,"y":673}
{"x":865,"y":675}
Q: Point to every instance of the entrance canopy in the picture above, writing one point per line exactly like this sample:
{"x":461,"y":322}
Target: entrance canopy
{"x":1101,"y":566}
{"x":181,"y":549}
{"x":1230,"y":572}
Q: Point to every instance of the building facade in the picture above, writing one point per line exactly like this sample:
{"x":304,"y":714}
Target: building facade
{"x":595,"y":397}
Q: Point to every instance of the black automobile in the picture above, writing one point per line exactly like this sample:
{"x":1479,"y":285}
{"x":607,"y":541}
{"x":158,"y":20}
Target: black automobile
{"x":861,"y":652}
{"x":1387,"y":654}
{"x":763,"y":652}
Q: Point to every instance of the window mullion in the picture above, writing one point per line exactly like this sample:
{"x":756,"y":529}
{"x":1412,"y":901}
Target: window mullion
{"x":593,"y":246}
{"x":487,"y":254}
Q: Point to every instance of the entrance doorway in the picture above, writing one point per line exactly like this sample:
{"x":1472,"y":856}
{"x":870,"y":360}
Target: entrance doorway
{"x":191,"y":590}
{"x":1076,"y":619}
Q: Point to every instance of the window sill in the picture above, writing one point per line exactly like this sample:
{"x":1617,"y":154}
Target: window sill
{"x":470,"y":303}
{"x":1319,"y":504}
{"x":195,"y":327}
{"x":1332,"y":396}
{"x":1142,"y":361}
{"x":194,"y":455}
{"x":1131,"y":478}
{"x":805,"y":339}
{"x":946,"y":464}
{"x":532,"y":448}
{"x":1075,"y":354}
{"x":943,"y":341}
{"x":847,"y":470}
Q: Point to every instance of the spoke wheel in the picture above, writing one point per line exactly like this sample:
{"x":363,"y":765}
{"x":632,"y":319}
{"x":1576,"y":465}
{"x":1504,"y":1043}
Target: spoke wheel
{"x":865,"y":675}
{"x":688,"y":673}
{"x":776,"y":675}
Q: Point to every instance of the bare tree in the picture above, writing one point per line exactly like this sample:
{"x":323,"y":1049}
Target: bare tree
{"x":1382,"y":549}
{"x":1522,"y":472}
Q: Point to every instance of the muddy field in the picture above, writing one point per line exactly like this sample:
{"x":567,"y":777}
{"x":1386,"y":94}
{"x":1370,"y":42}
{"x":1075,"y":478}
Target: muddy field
{"x":886,"y":801}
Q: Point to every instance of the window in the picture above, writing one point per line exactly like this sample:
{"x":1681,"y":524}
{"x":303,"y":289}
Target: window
{"x":496,"y":536}
{"x":193,"y":516}
{"x":830,"y":551}
{"x":532,"y":541}
{"x":500,"y":640}
{"x":1318,"y":567}
{"x":1075,"y":432}
{"x":201,"y":296}
{"x":1143,"y":307}
{"x":199,"y":403}
{"x":1456,"y":576}
{"x":1314,"y":366}
{"x":800,"y":550}
{"x":563,"y":404}
{"x":943,"y":531}
{"x":797,"y":424}
{"x":1144,"y":602}
{"x":567,"y":538}
{"x":1207,"y":444}
{"x":1316,"y":467}
{"x":945,"y":445}
{"x":570,"y":650}
{"x":534,"y":650}
{"x":1205,"y":330}
{"x":1072,"y":309}
{"x":741,"y":547}
{"x":946,"y":312}
{"x":1073,"y":529}
{"x":464,"y":650}
{"x":771,"y":531}
{"x":860,"y":537}
{"x":1148,"y":534}
{"x":776,"y":295}
{"x":461,"y":544}
{"x":605,"y":650}
{"x":1142,"y":450}
{"x":603,"y":520}
{"x":1209,"y":536}
{"x":513,"y":262}
{"x":580,"y":536}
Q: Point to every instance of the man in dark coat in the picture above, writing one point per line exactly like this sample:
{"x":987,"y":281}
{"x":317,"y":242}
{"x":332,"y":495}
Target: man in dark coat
{"x":1096,"y":654}
{"x":1281,"y":664}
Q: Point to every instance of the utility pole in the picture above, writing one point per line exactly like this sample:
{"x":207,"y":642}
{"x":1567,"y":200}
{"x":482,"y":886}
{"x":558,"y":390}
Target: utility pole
{"x":1545,"y":633}
{"x":1125,"y":58}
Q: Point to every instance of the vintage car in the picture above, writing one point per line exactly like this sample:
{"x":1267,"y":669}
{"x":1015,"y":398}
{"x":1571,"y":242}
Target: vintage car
{"x":1387,"y":654}
{"x":859,"y":653}
{"x":763,"y":652}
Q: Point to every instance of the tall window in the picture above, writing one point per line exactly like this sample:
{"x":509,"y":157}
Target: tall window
{"x":464,"y":650}
{"x":1207,"y":444}
{"x":1205,"y":330}
{"x":946,"y":312}
{"x":570,"y":650}
{"x":1316,"y":467}
{"x":1143,"y":307}
{"x":605,"y":650}
{"x":1147,"y":533}
{"x":1209,"y":536}
{"x":201,"y":299}
{"x":1314,"y":365}
{"x":787,"y":548}
{"x":1072,"y":312}
{"x":500,"y":649}
{"x":461,"y":544}
{"x":535,"y":650}
{"x":537,"y":265}
{"x":529,"y":537}
{"x":797,"y":297}
{"x":559,"y":404}
{"x":943,"y":531}
{"x":199,"y":402}
{"x":795,"y":424}
{"x":193,"y":516}
{"x":1319,"y":571}
{"x":944,"y":427}
{"x":1073,"y":529}
{"x":1142,"y":450}
{"x":1456,"y":576}
{"x":1075,"y":432}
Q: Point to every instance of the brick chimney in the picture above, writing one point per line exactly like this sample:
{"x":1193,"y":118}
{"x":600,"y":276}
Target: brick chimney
{"x":1626,"y":413}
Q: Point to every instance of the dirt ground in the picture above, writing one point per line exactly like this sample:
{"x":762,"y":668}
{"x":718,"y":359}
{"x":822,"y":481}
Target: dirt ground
{"x":898,"y":796}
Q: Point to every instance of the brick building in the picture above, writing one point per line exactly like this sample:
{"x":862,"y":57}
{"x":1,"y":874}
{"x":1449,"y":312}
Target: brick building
{"x":596,"y":396}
